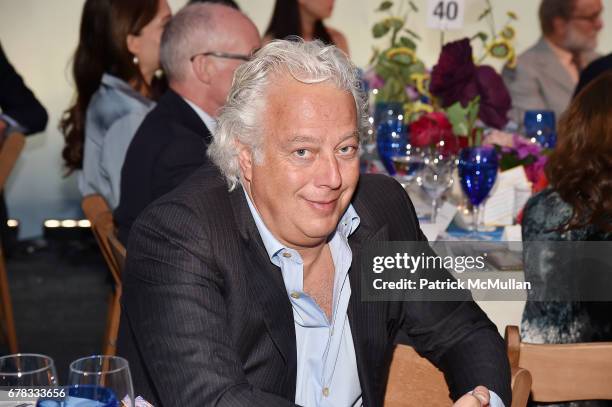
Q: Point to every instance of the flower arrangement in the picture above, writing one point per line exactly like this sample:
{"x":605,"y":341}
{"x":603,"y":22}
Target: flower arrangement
{"x":463,"y":90}
{"x":515,"y":150}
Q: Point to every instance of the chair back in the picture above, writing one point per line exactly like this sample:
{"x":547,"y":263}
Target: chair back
{"x":100,"y":217}
{"x":414,"y":382}
{"x":563,"y":372}
{"x":11,"y":149}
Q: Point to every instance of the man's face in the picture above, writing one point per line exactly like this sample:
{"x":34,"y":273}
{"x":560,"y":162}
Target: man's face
{"x":243,"y":40}
{"x":584,"y":25}
{"x":310,"y":162}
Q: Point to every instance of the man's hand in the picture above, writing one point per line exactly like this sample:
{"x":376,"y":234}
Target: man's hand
{"x":478,"y":398}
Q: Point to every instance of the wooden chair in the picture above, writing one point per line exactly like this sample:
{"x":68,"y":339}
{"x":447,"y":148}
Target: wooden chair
{"x":566,"y":372}
{"x":100,"y":217}
{"x":9,"y":153}
{"x":414,"y":381}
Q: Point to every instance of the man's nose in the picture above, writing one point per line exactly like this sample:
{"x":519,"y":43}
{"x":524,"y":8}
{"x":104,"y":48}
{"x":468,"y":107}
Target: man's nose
{"x":328,"y":172}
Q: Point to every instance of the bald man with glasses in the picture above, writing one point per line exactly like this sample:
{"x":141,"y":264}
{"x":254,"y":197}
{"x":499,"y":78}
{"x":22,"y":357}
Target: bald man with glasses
{"x":200,"y":49}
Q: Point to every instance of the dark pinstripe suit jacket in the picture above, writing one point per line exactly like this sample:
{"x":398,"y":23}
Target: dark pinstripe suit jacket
{"x":207,"y":322}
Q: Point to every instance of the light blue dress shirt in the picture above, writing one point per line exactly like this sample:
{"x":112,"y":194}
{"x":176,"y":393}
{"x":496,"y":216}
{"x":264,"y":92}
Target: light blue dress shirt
{"x":114,"y":114}
{"x":326,"y":362}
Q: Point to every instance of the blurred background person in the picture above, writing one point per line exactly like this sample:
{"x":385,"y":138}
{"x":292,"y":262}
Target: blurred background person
{"x":20,"y":111}
{"x":230,"y":3}
{"x":547,"y":73}
{"x":201,"y":48}
{"x":592,"y":71}
{"x":576,"y":207}
{"x":304,"y":18}
{"x":114,"y":65}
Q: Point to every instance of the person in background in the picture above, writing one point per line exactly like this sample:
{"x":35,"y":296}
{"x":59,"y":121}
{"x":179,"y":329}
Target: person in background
{"x":592,"y":71}
{"x":547,"y":73}
{"x":230,"y":3}
{"x":576,"y":207}
{"x":304,"y":18}
{"x":20,"y":111}
{"x":200,"y":49}
{"x":114,"y":66}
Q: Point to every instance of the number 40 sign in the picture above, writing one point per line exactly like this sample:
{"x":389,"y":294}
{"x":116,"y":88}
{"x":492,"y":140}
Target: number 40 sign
{"x":445,"y":14}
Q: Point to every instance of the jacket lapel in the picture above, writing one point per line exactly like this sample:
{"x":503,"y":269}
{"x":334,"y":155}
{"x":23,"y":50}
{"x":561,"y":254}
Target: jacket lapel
{"x":268,"y":287}
{"x":359,"y":317}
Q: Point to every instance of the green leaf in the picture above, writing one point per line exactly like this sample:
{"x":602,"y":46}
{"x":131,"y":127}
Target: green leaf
{"x":380,"y":29}
{"x":413,"y":6}
{"x":407,"y":42}
{"x":402,"y":59}
{"x":375,"y":54}
{"x":412,"y":34}
{"x":482,"y":36}
{"x":458,"y":116}
{"x":385,"y":5}
{"x":395,"y":23}
{"x":484,"y":14}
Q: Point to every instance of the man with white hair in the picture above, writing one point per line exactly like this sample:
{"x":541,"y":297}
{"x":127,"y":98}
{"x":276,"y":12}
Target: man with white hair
{"x":547,"y":73}
{"x":245,"y":290}
{"x":201,"y":47}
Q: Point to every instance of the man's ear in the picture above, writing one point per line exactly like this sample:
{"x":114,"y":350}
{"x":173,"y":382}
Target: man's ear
{"x":202,"y":69}
{"x":245,"y":160}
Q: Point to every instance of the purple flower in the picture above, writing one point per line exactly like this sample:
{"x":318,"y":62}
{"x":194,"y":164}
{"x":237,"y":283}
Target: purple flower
{"x":412,"y":93}
{"x":525,"y":147}
{"x":495,"y":101}
{"x":374,"y":80}
{"x":455,"y":78}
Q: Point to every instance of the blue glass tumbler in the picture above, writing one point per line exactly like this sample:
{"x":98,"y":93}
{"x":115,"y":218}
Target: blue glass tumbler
{"x":540,"y":126}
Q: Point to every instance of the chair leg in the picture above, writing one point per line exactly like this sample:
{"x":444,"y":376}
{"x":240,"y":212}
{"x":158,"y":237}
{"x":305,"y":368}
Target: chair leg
{"x":110,"y":339}
{"x":7,"y":307}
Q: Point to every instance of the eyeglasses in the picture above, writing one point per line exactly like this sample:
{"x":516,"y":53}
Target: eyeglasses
{"x":590,"y":18}
{"x":225,"y":55}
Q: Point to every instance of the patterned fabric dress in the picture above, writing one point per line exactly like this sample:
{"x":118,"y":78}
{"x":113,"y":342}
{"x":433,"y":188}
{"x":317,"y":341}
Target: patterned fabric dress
{"x":556,"y":321}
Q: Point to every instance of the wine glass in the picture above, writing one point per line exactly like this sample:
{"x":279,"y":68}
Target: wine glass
{"x":540,"y":127}
{"x":477,"y":173}
{"x":435,"y":177}
{"x":104,"y":379}
{"x":391,"y":136}
{"x":27,"y":369}
{"x":408,"y":165}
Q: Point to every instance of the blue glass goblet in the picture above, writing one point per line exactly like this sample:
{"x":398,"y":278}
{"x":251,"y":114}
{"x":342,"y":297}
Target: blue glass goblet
{"x":391,"y":137}
{"x":477,"y":173}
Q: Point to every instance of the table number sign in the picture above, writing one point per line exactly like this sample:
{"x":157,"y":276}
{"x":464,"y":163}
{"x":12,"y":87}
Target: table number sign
{"x":445,"y":14}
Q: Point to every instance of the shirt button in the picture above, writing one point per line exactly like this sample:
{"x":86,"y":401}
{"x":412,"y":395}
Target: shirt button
{"x":286,"y":255}
{"x":326,"y":391}
{"x":295,"y":295}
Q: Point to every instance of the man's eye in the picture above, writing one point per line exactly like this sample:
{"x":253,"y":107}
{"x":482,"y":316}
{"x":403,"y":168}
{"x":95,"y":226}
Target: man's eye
{"x":302,"y":152}
{"x":348,"y":150}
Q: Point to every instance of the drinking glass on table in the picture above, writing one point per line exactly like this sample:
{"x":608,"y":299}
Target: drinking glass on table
{"x":408,"y":164}
{"x":435,"y":177}
{"x":27,"y":369}
{"x":103,"y":381}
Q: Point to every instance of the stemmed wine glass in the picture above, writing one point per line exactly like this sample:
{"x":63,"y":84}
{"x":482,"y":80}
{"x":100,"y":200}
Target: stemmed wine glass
{"x":435,"y":177}
{"x":104,"y":379}
{"x":477,"y":173}
{"x":27,"y":369}
{"x":408,"y":164}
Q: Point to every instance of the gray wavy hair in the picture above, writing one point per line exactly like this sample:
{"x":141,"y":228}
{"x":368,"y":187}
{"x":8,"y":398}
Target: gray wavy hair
{"x":240,"y":118}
